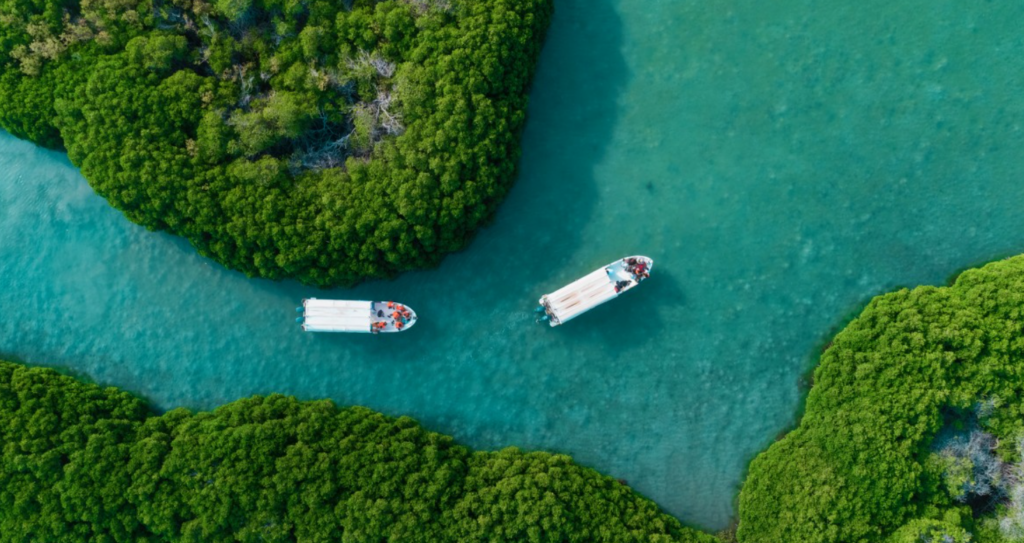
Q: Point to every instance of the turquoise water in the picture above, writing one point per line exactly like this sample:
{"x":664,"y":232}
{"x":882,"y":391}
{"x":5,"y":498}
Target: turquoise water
{"x":782,"y":162}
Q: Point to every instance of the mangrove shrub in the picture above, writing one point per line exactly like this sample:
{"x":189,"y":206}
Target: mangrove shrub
{"x":861,"y":466}
{"x":329,"y":141}
{"x":85,"y":463}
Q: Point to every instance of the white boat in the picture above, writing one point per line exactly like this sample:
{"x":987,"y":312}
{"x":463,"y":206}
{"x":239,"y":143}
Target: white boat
{"x":355,"y":317}
{"x":594,"y":289}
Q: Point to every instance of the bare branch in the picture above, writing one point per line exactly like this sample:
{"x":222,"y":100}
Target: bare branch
{"x":391,"y":122}
{"x":423,"y":6}
{"x":383,"y":67}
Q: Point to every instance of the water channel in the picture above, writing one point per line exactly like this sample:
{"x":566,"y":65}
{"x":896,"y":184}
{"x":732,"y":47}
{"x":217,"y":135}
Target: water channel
{"x":781,"y":162}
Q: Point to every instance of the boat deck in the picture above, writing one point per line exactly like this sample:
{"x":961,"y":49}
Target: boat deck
{"x":381,"y":313}
{"x":619,"y":272}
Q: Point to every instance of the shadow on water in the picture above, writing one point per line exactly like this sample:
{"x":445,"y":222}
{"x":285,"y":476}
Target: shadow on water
{"x":628,"y":322}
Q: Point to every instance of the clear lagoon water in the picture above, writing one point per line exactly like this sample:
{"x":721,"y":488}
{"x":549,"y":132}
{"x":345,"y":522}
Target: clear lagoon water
{"x":782,"y":162}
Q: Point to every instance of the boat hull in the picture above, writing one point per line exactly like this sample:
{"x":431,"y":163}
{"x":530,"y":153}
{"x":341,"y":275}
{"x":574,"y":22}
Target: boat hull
{"x":355,"y":317}
{"x":596,"y":288}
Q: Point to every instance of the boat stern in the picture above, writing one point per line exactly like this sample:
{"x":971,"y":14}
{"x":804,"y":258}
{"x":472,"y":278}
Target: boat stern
{"x":549,"y":315}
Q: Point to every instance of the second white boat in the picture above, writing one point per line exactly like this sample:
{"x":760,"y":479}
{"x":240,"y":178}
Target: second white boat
{"x":595,"y":288}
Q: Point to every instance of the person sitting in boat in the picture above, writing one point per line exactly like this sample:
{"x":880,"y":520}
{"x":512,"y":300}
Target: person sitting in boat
{"x":406,"y":315}
{"x":640,"y":271}
{"x":391,"y":305}
{"x":619,"y":285}
{"x":399,"y":325}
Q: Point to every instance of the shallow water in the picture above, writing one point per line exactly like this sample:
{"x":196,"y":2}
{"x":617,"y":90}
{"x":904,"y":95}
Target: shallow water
{"x":782,"y":162}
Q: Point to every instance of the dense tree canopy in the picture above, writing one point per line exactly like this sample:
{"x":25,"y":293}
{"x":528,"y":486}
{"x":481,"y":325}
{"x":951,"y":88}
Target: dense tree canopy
{"x":325,"y":140}
{"x":85,"y":463}
{"x":870,"y":460}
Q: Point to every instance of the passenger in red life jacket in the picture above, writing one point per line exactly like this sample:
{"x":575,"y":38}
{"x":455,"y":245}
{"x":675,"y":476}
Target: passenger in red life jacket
{"x":391,"y":305}
{"x":641,"y":270}
{"x":399,"y":325}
